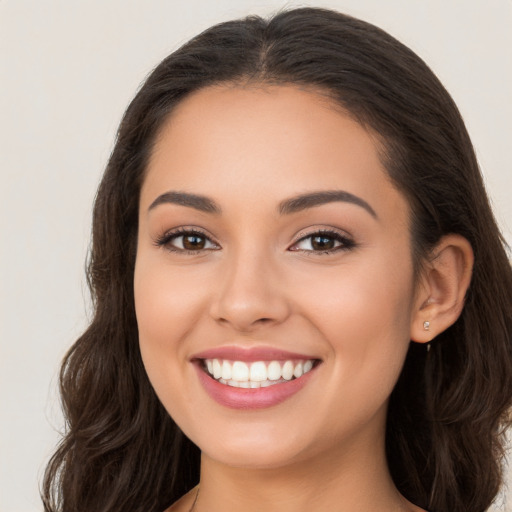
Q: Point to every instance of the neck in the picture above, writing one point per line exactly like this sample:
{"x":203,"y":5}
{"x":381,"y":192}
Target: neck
{"x":345,"y":479}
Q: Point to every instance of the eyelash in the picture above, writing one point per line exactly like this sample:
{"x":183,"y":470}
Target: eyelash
{"x":166,"y":238}
{"x":345,"y":242}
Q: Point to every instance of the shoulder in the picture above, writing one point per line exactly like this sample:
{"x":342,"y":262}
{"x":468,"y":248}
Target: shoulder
{"x":184,"y":504}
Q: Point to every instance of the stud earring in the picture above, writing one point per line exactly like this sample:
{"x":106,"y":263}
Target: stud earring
{"x":426,"y":325}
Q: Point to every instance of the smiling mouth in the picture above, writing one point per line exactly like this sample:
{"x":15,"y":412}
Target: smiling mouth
{"x":258,"y":374}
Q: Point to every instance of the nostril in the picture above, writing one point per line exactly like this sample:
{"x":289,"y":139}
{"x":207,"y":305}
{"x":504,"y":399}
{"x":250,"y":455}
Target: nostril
{"x":247,"y":309}
{"x":248,"y":323}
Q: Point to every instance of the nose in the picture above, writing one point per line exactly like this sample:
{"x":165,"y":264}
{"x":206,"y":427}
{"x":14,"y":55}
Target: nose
{"x":251,"y":294}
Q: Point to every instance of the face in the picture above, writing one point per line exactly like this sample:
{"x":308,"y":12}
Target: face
{"x":274,"y":253}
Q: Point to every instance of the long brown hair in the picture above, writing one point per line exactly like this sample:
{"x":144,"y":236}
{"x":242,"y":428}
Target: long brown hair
{"x":447,"y":412}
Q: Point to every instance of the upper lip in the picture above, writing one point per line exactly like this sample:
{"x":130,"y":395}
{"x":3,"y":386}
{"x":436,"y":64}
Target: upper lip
{"x":250,"y":354}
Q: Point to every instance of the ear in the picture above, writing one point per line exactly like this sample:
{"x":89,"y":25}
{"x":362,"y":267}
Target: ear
{"x":442,"y":287}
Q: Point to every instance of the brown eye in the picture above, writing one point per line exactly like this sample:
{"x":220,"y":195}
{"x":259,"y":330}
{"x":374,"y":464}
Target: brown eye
{"x":322,"y":243}
{"x":187,"y":241}
{"x":194,"y":242}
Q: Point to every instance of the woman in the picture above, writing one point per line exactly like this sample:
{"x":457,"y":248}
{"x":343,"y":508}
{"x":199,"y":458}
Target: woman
{"x":302,"y":299}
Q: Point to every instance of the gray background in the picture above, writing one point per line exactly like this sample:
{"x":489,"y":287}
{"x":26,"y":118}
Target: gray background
{"x":67,"y":71}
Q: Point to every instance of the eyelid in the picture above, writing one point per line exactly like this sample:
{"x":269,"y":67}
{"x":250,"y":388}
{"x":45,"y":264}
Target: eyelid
{"x":323,"y":230}
{"x":170,"y":234}
{"x":346,"y":240}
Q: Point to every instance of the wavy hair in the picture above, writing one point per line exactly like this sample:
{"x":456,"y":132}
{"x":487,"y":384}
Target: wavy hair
{"x":448,"y":411}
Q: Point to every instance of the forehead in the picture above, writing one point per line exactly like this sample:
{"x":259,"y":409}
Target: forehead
{"x":259,"y":143}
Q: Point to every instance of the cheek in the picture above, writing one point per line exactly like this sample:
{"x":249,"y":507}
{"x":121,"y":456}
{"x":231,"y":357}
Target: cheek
{"x":166,"y":304}
{"x":353,"y":301}
{"x":166,"y":309}
{"x":364,"y":314}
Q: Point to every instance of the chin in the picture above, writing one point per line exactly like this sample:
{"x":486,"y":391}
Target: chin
{"x":253,"y":457}
{"x":273,"y":447}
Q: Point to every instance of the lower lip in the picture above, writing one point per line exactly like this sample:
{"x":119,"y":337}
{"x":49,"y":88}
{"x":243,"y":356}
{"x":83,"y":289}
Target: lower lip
{"x":246,"y":398}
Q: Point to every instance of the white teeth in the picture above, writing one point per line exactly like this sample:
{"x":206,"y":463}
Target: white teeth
{"x":226,"y":371}
{"x":274,"y":371}
{"x":287,"y":370}
{"x":217,"y":369}
{"x":257,"y":374}
{"x":240,"y":371}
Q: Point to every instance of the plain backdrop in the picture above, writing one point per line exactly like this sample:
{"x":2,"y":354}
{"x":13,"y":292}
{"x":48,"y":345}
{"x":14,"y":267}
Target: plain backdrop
{"x":67,"y":71}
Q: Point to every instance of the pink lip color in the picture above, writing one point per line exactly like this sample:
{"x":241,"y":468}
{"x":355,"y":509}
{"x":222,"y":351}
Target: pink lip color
{"x":244,"y":398}
{"x":249,"y":355}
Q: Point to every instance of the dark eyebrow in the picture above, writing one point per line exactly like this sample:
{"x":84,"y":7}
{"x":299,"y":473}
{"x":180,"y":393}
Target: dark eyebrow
{"x":288,"y":206}
{"x":304,"y":201}
{"x":201,"y":203}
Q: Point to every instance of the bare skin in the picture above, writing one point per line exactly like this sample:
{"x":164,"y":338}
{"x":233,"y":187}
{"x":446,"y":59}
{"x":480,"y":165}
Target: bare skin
{"x":257,"y":279}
